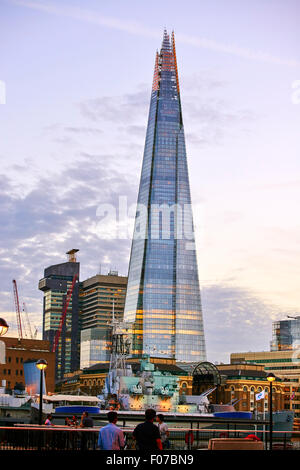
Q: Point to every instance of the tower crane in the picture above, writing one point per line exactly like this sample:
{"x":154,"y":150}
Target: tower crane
{"x":29,"y":330}
{"x":17,"y":305}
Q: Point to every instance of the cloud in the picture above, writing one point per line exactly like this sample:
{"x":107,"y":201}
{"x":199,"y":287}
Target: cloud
{"x":118,"y":109}
{"x":83,"y":130}
{"x":236,"y":320}
{"x":138,"y":29}
{"x":57,"y":214}
{"x":209,"y":119}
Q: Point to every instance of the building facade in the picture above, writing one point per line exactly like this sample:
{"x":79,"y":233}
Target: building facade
{"x":240,"y":383}
{"x":283,"y":364}
{"x":243,"y":382}
{"x":163,"y":294}
{"x":17,"y":353}
{"x":102,"y":297}
{"x":56,"y":284}
{"x":286,"y":335}
{"x":95,"y":346}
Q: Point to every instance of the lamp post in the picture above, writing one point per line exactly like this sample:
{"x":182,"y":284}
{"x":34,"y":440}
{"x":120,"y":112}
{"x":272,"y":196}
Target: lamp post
{"x":271,"y":377}
{"x":41,"y":365}
{"x":3,"y":327}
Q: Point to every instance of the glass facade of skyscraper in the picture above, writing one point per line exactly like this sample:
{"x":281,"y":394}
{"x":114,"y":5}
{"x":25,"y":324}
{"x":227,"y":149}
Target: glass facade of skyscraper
{"x":102,"y":299}
{"x":56,"y":283}
{"x":163,"y":294}
{"x":286,"y":335}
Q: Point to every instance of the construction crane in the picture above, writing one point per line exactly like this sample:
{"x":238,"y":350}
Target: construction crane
{"x":35,"y":332}
{"x":17,"y":305}
{"x":64,"y":313}
{"x":29,"y":330}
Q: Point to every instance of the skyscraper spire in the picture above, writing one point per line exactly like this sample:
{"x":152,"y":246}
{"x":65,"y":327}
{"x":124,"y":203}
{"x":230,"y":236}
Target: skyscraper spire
{"x":166,"y":46}
{"x":156,"y":73}
{"x":163,"y":294}
{"x":175,"y":61}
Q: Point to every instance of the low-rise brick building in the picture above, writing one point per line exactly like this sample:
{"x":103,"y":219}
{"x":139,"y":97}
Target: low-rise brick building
{"x":18,"y":351}
{"x":241,"y":383}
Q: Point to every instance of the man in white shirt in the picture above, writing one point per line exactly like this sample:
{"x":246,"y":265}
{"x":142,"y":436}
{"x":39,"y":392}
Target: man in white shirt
{"x":163,"y":429}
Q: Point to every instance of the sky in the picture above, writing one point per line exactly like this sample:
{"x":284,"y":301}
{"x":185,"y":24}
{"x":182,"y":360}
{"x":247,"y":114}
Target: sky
{"x":75,"y":85}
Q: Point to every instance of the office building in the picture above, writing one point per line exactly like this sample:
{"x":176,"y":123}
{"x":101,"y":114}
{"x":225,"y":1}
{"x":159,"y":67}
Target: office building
{"x":60,"y":286}
{"x":163,"y":294}
{"x":283,"y":364}
{"x":102,"y":297}
{"x":286,"y":334}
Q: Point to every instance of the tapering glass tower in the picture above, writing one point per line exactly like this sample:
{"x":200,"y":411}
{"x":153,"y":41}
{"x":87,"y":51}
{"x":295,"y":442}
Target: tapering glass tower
{"x":163,"y":294}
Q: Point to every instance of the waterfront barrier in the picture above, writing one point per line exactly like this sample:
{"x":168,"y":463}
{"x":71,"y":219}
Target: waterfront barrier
{"x":59,"y":438}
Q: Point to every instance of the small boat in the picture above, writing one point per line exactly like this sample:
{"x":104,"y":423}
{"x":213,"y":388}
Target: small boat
{"x":77,"y":409}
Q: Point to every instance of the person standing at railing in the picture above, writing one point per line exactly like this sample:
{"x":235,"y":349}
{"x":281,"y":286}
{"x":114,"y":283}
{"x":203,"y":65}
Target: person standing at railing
{"x":48,"y":421}
{"x":86,"y":422}
{"x":110,"y":436}
{"x":146,"y":434}
{"x":74,"y":421}
{"x":164,"y":432}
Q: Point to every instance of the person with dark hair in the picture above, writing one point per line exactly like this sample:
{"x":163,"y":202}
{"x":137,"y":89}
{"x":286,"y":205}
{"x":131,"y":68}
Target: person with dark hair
{"x":110,"y":436}
{"x":164,"y":432}
{"x":48,"y":421}
{"x":86,"y":420}
{"x":146,"y":434}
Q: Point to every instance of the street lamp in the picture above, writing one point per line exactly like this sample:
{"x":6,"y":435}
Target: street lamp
{"x":41,"y":365}
{"x":3,"y":327}
{"x":271,"y":377}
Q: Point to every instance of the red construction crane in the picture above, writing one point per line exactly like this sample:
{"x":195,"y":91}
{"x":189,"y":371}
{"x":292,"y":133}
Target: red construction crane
{"x":64,"y":313}
{"x":17,"y":305}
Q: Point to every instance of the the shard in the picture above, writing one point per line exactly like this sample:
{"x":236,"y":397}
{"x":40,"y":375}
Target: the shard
{"x":163,"y":294}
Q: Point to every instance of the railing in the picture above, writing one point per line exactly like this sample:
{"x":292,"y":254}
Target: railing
{"x":31,"y":437}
